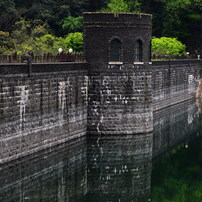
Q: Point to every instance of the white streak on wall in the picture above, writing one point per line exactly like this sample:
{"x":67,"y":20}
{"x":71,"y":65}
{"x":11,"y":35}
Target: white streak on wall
{"x":191,"y":86}
{"x":61,"y":95}
{"x":24,"y":96}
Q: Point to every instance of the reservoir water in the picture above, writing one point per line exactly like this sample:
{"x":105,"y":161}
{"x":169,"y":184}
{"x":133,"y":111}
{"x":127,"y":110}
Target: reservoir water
{"x":163,"y":166}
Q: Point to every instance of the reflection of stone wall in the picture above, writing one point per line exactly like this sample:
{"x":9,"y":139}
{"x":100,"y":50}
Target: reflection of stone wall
{"x":199,"y":95}
{"x":58,"y":174}
{"x":119,"y":167}
{"x":173,"y":125}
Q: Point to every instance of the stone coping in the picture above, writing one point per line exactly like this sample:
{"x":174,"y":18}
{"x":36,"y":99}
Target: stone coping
{"x":112,"y":13}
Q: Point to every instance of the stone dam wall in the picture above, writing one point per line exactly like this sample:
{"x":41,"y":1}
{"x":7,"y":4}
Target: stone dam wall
{"x":43,"y":110}
{"x":174,"y":81}
{"x":120,"y":100}
{"x":62,"y":101}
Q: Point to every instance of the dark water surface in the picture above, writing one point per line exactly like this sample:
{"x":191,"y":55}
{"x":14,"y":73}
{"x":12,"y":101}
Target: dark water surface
{"x":163,"y":166}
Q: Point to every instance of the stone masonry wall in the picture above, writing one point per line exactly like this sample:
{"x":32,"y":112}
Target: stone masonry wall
{"x":120,"y":100}
{"x":120,"y":93}
{"x":67,"y":100}
{"x":174,"y":82}
{"x":43,"y":110}
{"x":101,"y":28}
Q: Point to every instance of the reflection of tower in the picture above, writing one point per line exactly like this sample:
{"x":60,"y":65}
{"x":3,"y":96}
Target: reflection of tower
{"x":117,"y":49}
{"x":119,"y":168}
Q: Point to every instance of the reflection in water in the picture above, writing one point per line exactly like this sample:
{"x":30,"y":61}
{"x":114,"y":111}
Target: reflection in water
{"x":177,"y":163}
{"x":120,"y":168}
{"x":174,"y":125}
{"x":59,"y":174}
{"x":101,"y":168}
{"x":178,"y":176}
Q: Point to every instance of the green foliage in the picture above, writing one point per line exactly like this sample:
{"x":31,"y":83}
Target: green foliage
{"x":8,"y":14}
{"x":43,"y":44}
{"x":116,"y":6}
{"x":34,"y":28}
{"x":35,"y":36}
{"x":178,"y":18}
{"x":165,"y":46}
{"x":135,"y":5}
{"x":5,"y":42}
{"x":119,"y":6}
{"x":173,"y":24}
{"x":198,"y":4}
{"x":27,"y":35}
{"x":59,"y":43}
{"x":72,"y":24}
{"x":51,"y":11}
{"x":74,"y":41}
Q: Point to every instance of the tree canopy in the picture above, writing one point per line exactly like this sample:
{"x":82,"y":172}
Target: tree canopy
{"x":72,"y":24}
{"x":181,"y":19}
{"x":118,"y":6}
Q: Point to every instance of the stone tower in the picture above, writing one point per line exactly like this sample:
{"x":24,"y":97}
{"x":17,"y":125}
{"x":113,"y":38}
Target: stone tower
{"x":117,"y":49}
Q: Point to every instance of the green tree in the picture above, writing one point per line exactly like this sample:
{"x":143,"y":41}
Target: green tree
{"x":119,"y":6}
{"x":134,"y":5}
{"x":35,"y":36}
{"x":8,"y":14}
{"x":26,"y":33}
{"x":116,"y":6}
{"x":74,"y":41}
{"x":165,"y":46}
{"x":50,"y":44}
{"x":59,"y":43}
{"x":180,"y":19}
{"x":24,"y":29}
{"x":175,"y":11}
{"x":5,"y":42}
{"x":72,"y":24}
{"x":43,"y":44}
{"x":50,"y":11}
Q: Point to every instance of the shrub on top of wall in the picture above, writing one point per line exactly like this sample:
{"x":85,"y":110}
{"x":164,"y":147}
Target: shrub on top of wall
{"x":166,"y":46}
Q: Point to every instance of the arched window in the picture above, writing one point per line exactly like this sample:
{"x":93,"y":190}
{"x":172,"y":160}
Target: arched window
{"x":138,"y":51}
{"x":115,"y":50}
